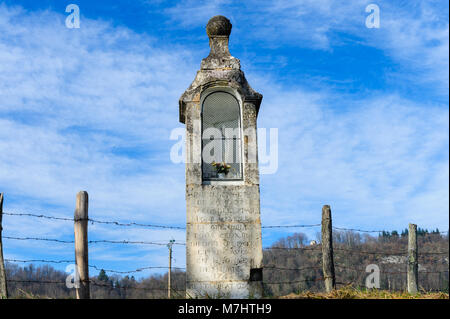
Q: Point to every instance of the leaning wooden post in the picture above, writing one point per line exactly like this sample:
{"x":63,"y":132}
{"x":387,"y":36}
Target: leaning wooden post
{"x":81,"y":244}
{"x":413,"y":265}
{"x":327,"y":250}
{"x":3,"y":286}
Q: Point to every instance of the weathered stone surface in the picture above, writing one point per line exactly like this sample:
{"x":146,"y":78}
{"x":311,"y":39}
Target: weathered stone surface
{"x":223,"y":240}
{"x":219,"y":68}
{"x":218,"y":25}
{"x":223,"y":232}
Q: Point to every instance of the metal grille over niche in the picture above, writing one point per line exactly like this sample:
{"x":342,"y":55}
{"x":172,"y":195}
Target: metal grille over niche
{"x":221,"y":134}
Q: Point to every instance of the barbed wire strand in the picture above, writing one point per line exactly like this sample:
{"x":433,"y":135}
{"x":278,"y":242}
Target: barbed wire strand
{"x":38,"y":216}
{"x":39,"y":239}
{"x":91,"y":283}
{"x":131,"y":242}
{"x":92,"y":241}
{"x":386,"y":253}
{"x":271,"y":267}
{"x":134,"y":271}
{"x":91,"y":266}
{"x":292,"y":282}
{"x":117,"y":223}
{"x":291,"y":226}
{"x":40,"y":261}
{"x":292,"y":269}
{"x":382,"y":231}
{"x":294,"y":248}
{"x":363,"y":270}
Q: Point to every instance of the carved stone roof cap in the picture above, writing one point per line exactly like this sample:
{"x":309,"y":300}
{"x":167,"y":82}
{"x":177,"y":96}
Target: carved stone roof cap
{"x":219,"y":68}
{"x":218,"y":26}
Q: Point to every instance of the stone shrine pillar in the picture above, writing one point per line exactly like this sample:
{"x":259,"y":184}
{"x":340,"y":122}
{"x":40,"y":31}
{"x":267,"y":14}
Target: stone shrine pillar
{"x":223,"y":231}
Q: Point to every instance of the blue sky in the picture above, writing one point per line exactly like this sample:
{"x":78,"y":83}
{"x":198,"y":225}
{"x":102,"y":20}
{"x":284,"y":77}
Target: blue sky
{"x":362,"y":114}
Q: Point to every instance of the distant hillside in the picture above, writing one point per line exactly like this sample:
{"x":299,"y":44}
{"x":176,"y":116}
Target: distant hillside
{"x":352,"y":253}
{"x":291,"y":266}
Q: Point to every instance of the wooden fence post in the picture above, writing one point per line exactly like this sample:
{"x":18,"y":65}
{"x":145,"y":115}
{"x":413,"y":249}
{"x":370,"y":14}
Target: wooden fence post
{"x":413,"y":265}
{"x":169,"y":282}
{"x":327,"y":250}
{"x":81,"y":244}
{"x":3,"y":286}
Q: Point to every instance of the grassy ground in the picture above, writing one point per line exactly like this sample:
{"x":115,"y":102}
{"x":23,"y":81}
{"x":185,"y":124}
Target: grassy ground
{"x":343,"y":293}
{"x":352,"y":293}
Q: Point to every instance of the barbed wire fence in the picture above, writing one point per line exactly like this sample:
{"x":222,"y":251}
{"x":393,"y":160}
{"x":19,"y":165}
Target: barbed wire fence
{"x":391,"y":263}
{"x":310,"y":278}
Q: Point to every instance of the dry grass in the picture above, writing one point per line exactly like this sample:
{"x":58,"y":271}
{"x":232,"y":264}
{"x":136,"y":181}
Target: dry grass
{"x":26,"y":295}
{"x":352,"y":293}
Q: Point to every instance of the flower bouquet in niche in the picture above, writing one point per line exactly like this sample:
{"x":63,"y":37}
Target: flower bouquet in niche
{"x":222,"y":169}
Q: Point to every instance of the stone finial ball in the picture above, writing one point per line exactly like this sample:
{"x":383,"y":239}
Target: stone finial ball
{"x":218,"y":25}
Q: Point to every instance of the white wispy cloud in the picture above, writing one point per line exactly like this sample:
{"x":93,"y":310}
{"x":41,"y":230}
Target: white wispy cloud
{"x":372,"y":162}
{"x":92,"y":108}
{"x":74,"y":102}
{"x":413,"y":33}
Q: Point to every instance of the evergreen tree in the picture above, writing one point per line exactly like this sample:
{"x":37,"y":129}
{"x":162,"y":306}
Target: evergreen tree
{"x":102,"y":276}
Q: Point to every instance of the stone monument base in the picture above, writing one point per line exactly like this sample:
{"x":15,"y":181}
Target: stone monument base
{"x":238,"y":289}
